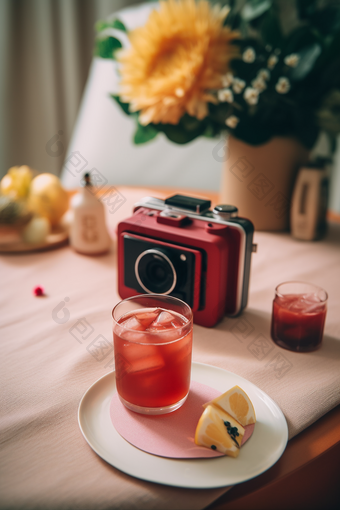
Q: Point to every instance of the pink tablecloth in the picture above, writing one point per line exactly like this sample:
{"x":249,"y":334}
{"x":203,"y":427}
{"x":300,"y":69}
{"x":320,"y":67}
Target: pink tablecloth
{"x":46,"y":366}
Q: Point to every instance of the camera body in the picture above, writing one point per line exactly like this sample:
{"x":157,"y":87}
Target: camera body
{"x":180,"y":247}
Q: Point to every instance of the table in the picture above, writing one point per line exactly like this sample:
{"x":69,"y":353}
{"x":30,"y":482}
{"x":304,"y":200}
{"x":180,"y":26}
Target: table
{"x":45,"y":462}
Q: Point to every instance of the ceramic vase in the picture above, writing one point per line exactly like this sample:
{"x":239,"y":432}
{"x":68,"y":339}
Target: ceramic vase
{"x":259,"y":180}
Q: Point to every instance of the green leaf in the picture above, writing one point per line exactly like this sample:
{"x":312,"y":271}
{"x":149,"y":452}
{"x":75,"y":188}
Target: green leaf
{"x":251,"y":134}
{"x":115,"y":23}
{"x":300,"y":38}
{"x":306,"y":8}
{"x":190,"y":123}
{"x":308,"y":57}
{"x":124,"y":106}
{"x":255,"y":8}
{"x":271,"y":30}
{"x":212,"y":130}
{"x":218,"y":113}
{"x":233,"y":20}
{"x":118,"y":25}
{"x":100,"y":26}
{"x":332,"y":52}
{"x":144,"y":134}
{"x":178,"y":134}
{"x":105,"y":48}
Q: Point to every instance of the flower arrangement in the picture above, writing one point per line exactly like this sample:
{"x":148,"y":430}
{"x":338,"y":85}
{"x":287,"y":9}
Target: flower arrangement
{"x":198,"y":69}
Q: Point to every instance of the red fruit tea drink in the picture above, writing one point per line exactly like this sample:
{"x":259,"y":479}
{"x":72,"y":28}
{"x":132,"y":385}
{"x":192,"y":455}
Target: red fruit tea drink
{"x":153,"y":347}
{"x":299,"y":313}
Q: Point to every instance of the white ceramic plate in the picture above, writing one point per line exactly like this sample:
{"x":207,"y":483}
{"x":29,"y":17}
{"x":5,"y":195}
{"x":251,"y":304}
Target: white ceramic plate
{"x":263,"y":449}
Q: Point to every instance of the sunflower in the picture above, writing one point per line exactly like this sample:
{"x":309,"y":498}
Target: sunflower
{"x":175,"y":61}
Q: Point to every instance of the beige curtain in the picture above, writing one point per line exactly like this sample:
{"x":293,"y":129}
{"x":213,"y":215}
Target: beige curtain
{"x":45,"y":53}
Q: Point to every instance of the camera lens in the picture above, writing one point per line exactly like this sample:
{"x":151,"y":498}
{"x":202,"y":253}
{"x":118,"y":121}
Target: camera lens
{"x":155,"y":272}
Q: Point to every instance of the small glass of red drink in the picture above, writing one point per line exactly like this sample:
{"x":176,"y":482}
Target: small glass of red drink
{"x":299,"y":313}
{"x":152,"y":336}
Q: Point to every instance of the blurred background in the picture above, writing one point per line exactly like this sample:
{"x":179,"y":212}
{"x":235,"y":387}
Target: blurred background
{"x":46,"y":50}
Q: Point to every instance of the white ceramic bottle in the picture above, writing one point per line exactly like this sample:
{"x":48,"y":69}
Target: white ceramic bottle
{"x":88,"y":231}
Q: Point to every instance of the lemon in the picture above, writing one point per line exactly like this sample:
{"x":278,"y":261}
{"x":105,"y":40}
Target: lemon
{"x":16,"y":183}
{"x":212,"y":431}
{"x":48,"y":198}
{"x":237,"y":403}
{"x":36,"y":231}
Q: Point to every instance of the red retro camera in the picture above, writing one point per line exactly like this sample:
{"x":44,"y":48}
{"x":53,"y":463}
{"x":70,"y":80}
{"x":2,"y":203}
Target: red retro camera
{"x":180,"y":247}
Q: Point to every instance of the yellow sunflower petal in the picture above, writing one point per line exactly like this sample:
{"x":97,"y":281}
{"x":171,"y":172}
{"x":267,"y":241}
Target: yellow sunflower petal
{"x":175,"y":60}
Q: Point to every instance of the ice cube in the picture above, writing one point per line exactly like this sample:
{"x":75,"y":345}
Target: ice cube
{"x":303,"y":303}
{"x":135,"y":337}
{"x":165,"y":334}
{"x":168,"y":325}
{"x":147,"y":317}
{"x":314,"y":308}
{"x":313,"y":304}
{"x":311,"y":298}
{"x":133,"y":323}
{"x":164,"y":319}
{"x":179,"y":321}
{"x":296,"y":306}
{"x":155,"y":362}
{"x":142,"y":357}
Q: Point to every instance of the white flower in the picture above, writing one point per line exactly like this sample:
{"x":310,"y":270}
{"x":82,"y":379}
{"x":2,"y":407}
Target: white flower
{"x":248,"y":55}
{"x":232,"y":121}
{"x":259,"y":84}
{"x":225,"y":95}
{"x":251,"y":95}
{"x":264,"y":74}
{"x":227,"y":79}
{"x":238,"y":85}
{"x":282,"y":86}
{"x":272,"y":61}
{"x":292,"y":60}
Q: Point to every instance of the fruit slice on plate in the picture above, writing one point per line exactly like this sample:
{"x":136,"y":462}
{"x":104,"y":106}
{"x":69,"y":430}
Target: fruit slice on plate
{"x":219,"y":431}
{"x":237,"y":403}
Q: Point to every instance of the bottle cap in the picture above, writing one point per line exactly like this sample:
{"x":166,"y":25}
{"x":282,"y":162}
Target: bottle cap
{"x":87,"y":179}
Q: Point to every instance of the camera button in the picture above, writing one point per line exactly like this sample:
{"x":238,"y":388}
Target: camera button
{"x":172,"y":218}
{"x":225,"y":212}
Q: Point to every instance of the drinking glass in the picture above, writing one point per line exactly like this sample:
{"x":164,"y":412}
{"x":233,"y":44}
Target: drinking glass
{"x":152,"y":337}
{"x":298,"y":318}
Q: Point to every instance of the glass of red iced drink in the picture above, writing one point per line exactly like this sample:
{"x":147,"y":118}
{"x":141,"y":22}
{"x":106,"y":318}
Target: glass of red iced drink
{"x":299,"y":313}
{"x":152,"y":336}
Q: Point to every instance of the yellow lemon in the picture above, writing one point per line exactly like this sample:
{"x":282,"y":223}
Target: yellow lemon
{"x":237,"y":403}
{"x":36,"y":231}
{"x":48,"y":198}
{"x":16,"y":182}
{"x":217,"y":430}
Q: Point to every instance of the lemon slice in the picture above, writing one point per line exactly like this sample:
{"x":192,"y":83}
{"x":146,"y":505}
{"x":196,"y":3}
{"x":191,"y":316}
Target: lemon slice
{"x":212,"y":431}
{"x":237,"y":403}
